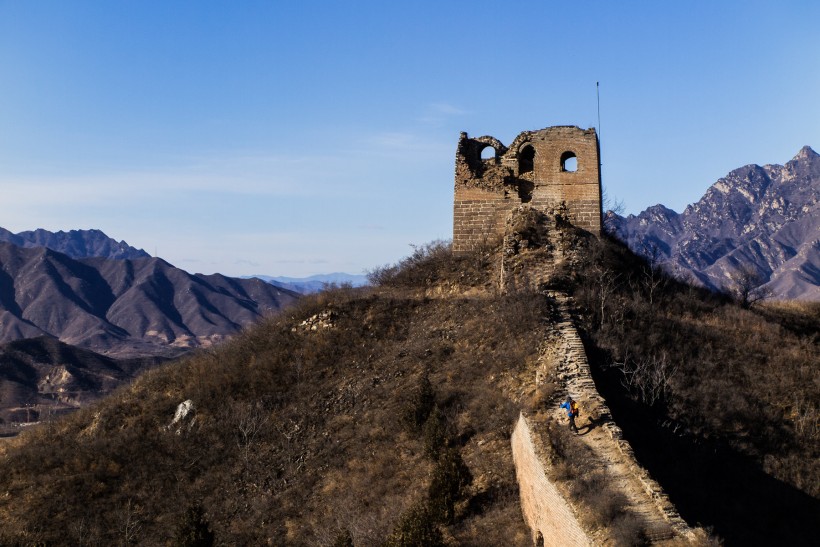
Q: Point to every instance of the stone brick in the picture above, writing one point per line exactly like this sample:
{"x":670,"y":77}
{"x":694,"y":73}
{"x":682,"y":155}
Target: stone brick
{"x":533,"y":170}
{"x":545,"y":510}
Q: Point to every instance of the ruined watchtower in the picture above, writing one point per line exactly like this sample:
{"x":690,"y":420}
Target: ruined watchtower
{"x":552,"y":169}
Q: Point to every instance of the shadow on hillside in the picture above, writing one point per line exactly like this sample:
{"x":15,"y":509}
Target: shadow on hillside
{"x":711,"y":485}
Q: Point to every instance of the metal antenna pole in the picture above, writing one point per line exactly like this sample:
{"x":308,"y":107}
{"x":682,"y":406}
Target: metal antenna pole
{"x":598,"y":97}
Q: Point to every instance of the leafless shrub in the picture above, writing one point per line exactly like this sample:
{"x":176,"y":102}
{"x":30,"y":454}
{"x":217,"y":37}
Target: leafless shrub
{"x":649,"y":377}
{"x":626,"y":530}
{"x":806,"y":419}
{"x":130,"y":523}
{"x":248,"y":419}
{"x":435,"y":264}
{"x":611,"y":206}
{"x":594,"y":490}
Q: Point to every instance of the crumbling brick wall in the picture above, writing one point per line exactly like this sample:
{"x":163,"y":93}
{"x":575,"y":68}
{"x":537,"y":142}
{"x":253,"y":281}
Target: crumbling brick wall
{"x":550,"y":518}
{"x":535,"y":170}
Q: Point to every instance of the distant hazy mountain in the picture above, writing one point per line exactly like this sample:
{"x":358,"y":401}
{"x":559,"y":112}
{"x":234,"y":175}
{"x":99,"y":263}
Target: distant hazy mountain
{"x":127,"y":307}
{"x":314,"y":283}
{"x":75,"y":243}
{"x":764,"y":220}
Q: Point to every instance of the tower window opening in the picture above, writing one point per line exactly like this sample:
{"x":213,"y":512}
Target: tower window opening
{"x":488,"y":153}
{"x":569,"y":162}
{"x":526,"y":159}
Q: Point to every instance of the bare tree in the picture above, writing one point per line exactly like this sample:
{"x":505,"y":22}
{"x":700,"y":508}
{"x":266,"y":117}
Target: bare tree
{"x":607,"y":285}
{"x":746,"y":285}
{"x":653,"y":276}
{"x":131,"y":524}
{"x":647,"y":377}
{"x":250,"y":420}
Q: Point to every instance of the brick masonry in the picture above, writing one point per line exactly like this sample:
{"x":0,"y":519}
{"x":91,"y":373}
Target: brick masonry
{"x":546,"y":511}
{"x":549,"y":515}
{"x":536,"y":170}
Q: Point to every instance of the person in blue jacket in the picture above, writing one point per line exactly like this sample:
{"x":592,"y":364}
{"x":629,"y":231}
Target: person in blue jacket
{"x":572,"y":412}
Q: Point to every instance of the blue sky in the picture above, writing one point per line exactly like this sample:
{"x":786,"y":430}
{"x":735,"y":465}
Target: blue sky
{"x":294,"y":138}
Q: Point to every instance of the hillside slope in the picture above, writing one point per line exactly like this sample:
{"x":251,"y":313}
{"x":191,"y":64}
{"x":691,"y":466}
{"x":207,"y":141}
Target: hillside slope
{"x":758,"y":221}
{"x":385,"y":413}
{"x":719,"y":402}
{"x":124,"y":307}
{"x":305,"y":427}
{"x":41,"y":377}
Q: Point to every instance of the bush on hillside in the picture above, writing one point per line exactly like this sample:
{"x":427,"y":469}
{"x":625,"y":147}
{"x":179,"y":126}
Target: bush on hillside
{"x":451,"y":477}
{"x":421,"y":404}
{"x":344,"y":539}
{"x":435,"y":264}
{"x":194,"y":530}
{"x":416,"y":528}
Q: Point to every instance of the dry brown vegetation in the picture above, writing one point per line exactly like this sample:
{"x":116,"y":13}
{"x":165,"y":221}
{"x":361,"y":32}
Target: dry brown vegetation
{"x":714,"y":395}
{"x":383,"y":416}
{"x":302,"y":436}
{"x":714,"y":367}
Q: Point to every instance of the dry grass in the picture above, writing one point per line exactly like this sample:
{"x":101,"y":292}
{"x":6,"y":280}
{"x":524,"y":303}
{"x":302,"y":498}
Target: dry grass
{"x":720,"y":371}
{"x":298,"y":434}
{"x":302,"y":436}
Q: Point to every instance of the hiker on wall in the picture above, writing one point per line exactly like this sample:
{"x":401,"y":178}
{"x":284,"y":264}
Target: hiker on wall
{"x":572,"y":412}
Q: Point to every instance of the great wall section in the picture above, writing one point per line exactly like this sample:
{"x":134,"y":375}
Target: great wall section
{"x":522,"y":196}
{"x":549,"y":511}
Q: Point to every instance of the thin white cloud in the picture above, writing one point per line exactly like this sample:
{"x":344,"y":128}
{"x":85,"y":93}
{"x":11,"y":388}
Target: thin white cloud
{"x":438,"y":113}
{"x":447,"y":109}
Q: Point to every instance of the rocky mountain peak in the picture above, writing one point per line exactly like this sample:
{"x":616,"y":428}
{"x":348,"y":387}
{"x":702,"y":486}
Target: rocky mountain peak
{"x":806,"y":153}
{"x":74,"y":243}
{"x":760,"y":219}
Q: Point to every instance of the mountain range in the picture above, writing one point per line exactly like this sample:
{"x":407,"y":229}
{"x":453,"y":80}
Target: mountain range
{"x":124,"y":307}
{"x":761,"y":222}
{"x":314,"y":283}
{"x":74,"y":243}
{"x":81,"y":313}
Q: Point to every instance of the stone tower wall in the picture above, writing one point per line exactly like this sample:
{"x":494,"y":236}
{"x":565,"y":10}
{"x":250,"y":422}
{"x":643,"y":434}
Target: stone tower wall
{"x":532,"y":170}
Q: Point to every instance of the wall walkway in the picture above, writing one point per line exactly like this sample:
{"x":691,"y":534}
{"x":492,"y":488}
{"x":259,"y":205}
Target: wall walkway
{"x":547,"y":512}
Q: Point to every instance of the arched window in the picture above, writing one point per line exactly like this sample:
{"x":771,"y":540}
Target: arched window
{"x":569,"y":162}
{"x":526,"y":159}
{"x":488,"y":153}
